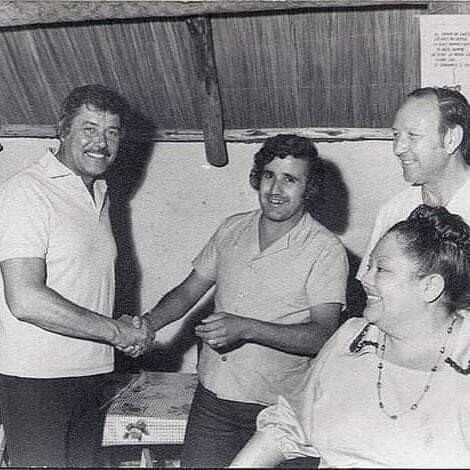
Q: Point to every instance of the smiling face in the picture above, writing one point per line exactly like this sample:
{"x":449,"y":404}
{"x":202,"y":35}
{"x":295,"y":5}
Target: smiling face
{"x":394,"y":291}
{"x":282,"y":188}
{"x":417,"y":141}
{"x":91,"y":144}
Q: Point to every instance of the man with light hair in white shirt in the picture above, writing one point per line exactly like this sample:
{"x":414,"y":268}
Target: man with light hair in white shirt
{"x":431,"y":138}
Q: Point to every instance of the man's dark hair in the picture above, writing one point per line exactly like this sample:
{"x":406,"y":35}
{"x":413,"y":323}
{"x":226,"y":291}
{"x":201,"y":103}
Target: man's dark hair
{"x":99,"y":96}
{"x":283,"y":145}
{"x":454,"y":110}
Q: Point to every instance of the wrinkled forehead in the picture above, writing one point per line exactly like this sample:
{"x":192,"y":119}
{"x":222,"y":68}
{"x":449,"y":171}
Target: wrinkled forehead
{"x":418,"y":112}
{"x":88,"y":112}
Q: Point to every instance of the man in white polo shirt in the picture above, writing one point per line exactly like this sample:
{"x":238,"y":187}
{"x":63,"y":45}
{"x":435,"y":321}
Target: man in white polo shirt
{"x":57,"y":255}
{"x":431,"y":134}
{"x":280,"y":280}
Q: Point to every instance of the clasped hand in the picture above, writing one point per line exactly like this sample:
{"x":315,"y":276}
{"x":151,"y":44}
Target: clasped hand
{"x":136,"y":335}
{"x":222,"y":329}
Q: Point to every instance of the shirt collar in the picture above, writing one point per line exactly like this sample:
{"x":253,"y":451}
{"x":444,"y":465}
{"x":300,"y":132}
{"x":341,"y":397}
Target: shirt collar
{"x":299,"y":226}
{"x":281,"y":243}
{"x":366,"y":341}
{"x":459,"y":359}
{"x":303,"y":228}
{"x":54,"y":168}
{"x":297,"y":232}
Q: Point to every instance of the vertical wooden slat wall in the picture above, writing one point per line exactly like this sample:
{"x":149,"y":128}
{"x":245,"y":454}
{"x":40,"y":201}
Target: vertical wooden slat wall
{"x":335,"y":67}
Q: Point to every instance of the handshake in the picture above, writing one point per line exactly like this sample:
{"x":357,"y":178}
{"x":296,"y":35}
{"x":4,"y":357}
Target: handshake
{"x":134,"y":336}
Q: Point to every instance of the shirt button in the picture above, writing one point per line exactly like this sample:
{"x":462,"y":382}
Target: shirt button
{"x":223,"y":358}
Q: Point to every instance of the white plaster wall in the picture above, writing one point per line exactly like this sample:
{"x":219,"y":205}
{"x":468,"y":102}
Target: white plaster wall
{"x":183,"y":199}
{"x":372,"y":174}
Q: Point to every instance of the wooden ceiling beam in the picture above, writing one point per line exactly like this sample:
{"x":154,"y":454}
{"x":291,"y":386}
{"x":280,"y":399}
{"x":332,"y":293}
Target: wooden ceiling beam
{"x":31,"y":12}
{"x":230,"y":135}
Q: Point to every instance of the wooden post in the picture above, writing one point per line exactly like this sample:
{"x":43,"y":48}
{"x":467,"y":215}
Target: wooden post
{"x":209,"y":93}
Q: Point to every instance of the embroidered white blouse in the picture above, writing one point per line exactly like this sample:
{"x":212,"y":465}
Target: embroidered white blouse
{"x":337,"y":417}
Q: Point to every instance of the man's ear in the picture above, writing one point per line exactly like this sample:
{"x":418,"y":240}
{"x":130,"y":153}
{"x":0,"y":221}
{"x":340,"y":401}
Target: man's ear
{"x":433,"y":287}
{"x":453,"y":138}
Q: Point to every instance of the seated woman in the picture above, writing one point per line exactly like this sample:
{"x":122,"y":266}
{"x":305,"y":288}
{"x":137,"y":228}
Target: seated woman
{"x":391,"y":389}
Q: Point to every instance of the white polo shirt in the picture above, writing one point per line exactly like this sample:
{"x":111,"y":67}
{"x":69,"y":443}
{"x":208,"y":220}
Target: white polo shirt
{"x":47,"y":212}
{"x":400,"y":207}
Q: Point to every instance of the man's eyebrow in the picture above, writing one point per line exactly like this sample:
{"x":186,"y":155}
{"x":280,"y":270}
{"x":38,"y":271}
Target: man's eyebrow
{"x":94,"y":123}
{"x":90,"y":122}
{"x":290,"y":175}
{"x":381,"y":257}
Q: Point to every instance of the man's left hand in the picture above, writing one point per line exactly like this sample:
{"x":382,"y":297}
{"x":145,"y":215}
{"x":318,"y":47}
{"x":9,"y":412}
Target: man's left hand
{"x":223,"y":329}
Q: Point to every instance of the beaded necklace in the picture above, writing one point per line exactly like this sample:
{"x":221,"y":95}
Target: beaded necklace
{"x":426,"y":388}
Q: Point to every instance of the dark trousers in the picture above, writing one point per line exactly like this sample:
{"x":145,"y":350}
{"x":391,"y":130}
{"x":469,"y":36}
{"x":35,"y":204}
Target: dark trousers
{"x":52,"y":422}
{"x":217,"y":430}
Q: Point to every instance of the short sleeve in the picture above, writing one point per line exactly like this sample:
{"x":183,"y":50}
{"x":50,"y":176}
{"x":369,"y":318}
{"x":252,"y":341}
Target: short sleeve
{"x":328,"y":278}
{"x":283,"y":424}
{"x":23,"y":220}
{"x":205,"y":263}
